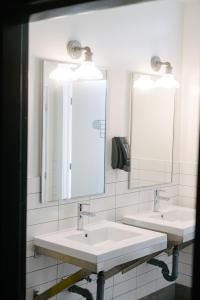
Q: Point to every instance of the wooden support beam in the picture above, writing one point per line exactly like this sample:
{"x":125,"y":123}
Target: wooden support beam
{"x":63,"y":284}
{"x":66,"y":259}
{"x":125,"y":267}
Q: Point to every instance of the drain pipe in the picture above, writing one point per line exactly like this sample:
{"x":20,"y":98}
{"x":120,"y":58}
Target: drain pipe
{"x":164,"y":267}
{"x":81,"y":291}
{"x":100,"y":285}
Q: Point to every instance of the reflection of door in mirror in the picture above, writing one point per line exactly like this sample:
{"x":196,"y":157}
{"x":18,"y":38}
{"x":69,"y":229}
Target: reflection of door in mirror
{"x":88,"y":133}
{"x":73,"y":137}
{"x":57,"y":140}
{"x":152,"y":129}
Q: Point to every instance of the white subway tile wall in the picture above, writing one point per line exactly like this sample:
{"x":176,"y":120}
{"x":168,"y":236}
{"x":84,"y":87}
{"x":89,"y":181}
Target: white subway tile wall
{"x":118,"y":200}
{"x":187,"y":197}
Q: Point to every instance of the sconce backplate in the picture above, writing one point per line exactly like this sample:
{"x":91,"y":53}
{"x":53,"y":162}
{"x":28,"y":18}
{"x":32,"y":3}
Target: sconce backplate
{"x":74,"y":49}
{"x":156,"y":63}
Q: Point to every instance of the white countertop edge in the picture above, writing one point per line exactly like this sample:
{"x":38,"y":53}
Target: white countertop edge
{"x":129,"y":256}
{"x":165,"y":227}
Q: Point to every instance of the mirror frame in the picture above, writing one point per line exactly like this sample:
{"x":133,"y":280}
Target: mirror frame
{"x":43,"y":150}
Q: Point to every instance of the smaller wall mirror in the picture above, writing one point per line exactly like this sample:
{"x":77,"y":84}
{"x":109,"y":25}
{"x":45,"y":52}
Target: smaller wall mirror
{"x":151,"y":132}
{"x":73,"y":151}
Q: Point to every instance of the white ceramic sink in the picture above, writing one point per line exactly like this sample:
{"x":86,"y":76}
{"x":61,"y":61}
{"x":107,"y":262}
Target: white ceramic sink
{"x":178,"y":222}
{"x":104,"y":244}
{"x":103,"y":237}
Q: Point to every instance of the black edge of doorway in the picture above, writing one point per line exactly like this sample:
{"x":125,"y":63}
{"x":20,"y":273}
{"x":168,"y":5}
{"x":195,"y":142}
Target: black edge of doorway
{"x":52,"y":8}
{"x":14,"y":65}
{"x":196,"y":254}
{"x":14,"y":101}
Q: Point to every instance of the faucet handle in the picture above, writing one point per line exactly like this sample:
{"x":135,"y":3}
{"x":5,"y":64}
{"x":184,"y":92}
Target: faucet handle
{"x":81,"y":204}
{"x":158,"y":191}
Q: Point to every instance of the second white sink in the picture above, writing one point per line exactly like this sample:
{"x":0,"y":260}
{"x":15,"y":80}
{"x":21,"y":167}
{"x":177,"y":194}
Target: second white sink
{"x":178,"y":222}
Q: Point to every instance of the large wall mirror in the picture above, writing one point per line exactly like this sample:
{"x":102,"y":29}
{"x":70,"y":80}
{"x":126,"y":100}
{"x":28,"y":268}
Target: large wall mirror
{"x":151,"y":132}
{"x":73,"y":151}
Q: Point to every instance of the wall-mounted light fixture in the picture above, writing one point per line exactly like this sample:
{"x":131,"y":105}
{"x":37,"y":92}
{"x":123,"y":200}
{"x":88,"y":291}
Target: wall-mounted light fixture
{"x":62,"y":73}
{"x":167,"y":80}
{"x":87,"y":70}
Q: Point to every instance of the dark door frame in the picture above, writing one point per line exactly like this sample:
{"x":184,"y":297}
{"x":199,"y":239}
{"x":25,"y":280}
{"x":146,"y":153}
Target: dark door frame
{"x":14,"y":115}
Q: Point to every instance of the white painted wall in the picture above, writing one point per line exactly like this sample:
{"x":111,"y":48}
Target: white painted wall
{"x":190,"y":103}
{"x":189,"y":132}
{"x":123,"y":40}
{"x":151,"y":28}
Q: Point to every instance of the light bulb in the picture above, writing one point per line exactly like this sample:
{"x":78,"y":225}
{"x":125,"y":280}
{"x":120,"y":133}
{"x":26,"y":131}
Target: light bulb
{"x":167,"y":81}
{"x":144,"y":82}
{"x":88,"y":71}
{"x":62,"y":73}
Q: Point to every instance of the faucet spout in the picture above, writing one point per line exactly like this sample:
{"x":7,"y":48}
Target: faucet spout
{"x":82,"y":213}
{"x":164,"y":198}
{"x":89,"y":214}
{"x":157,"y":198}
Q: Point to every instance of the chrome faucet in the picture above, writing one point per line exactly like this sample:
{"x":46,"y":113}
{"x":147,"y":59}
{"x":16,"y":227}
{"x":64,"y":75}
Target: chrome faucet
{"x":82,"y":213}
{"x":157,"y":198}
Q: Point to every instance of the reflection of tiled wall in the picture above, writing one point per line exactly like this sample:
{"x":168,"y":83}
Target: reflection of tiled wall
{"x":147,"y":172}
{"x":187,"y":188}
{"x":118,"y":200}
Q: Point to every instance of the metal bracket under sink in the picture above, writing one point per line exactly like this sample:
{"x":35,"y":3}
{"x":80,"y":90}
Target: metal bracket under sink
{"x":89,"y":268}
{"x":66,"y":259}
